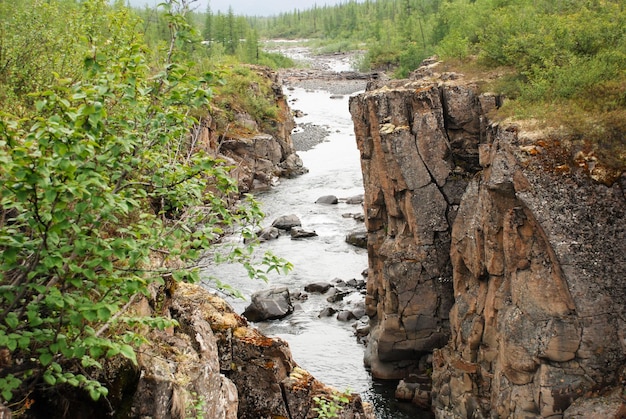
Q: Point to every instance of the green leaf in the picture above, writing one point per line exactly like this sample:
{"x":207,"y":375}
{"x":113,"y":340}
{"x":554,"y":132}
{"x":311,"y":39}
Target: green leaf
{"x":128,"y":352}
{"x":114,"y":350}
{"x":49,"y":378}
{"x":50,"y":195}
{"x":104,"y":313}
{"x":95,"y":394}
{"x":45,"y":358}
{"x":90,"y":315}
{"x":96,"y":352}
{"x":12,"y":320}
{"x":7,"y":395}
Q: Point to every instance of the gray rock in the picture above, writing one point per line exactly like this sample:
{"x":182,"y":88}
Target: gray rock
{"x":287,"y":222}
{"x":355,"y":216}
{"x":345,"y":316}
{"x":359,"y":310}
{"x":269,"y":304}
{"x":336,"y":295}
{"x":268,"y":233}
{"x":361,"y":329}
{"x":300,"y":233}
{"x":357,"y":238}
{"x":605,"y":406}
{"x":327,"y":199}
{"x":317,"y":287}
{"x":338,"y":283}
{"x":355,"y":200}
{"x":327,"y":312}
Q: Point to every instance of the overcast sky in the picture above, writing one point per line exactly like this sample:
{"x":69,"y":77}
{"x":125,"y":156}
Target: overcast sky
{"x":250,"y":7}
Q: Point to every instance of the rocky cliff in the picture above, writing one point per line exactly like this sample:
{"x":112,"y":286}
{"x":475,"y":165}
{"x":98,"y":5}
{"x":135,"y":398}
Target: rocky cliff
{"x":212,"y":365}
{"x":260,"y":151}
{"x":492,"y":249}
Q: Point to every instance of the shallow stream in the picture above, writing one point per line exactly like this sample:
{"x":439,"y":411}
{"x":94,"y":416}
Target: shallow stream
{"x":325,"y":347}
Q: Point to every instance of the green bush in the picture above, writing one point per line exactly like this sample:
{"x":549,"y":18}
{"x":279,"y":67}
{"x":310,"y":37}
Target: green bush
{"x":101,"y":178}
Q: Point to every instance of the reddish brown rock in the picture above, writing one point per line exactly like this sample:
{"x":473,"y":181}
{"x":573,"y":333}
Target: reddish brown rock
{"x":258,"y":152}
{"x":460,"y":210}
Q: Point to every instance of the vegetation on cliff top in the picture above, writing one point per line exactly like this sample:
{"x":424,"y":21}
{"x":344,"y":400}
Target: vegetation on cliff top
{"x":104,"y":196}
{"x":564,"y":61}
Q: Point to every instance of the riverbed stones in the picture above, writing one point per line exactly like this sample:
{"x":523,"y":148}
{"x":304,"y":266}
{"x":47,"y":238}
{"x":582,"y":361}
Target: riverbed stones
{"x":358,"y":238}
{"x":327,"y":312}
{"x":327,"y":200}
{"x":300,"y":233}
{"x":269,"y":304}
{"x":287,"y":222}
{"x":345,"y":315}
{"x":317,"y":287}
{"x":355,"y":199}
{"x":336,"y":294}
{"x":268,"y":233}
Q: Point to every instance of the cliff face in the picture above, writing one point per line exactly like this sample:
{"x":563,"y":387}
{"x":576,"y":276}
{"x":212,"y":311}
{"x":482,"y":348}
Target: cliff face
{"x":258,"y":154}
{"x":489,"y":248}
{"x":419,"y":147}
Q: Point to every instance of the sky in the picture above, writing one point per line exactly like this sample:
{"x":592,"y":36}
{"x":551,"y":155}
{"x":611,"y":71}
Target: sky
{"x":250,"y":7}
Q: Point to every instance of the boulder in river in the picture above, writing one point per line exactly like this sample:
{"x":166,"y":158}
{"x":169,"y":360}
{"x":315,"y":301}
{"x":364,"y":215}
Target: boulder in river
{"x":327,"y":312}
{"x":358,"y":310}
{"x":357,"y":238}
{"x":300,"y":233}
{"x":327,"y":199}
{"x":317,"y":287}
{"x":355,"y":200}
{"x":286,"y":222}
{"x":345,"y":316}
{"x":336,"y":295}
{"x":268,"y":233}
{"x":269,"y":304}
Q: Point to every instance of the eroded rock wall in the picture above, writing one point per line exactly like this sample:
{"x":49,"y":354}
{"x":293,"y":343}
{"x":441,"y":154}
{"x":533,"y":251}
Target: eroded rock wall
{"x":540,"y":300}
{"x":268,"y":382}
{"x":419,"y":147}
{"x":490,"y":248}
{"x":259,"y":152}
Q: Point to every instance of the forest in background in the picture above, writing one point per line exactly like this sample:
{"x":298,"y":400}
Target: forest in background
{"x":562,"y":63}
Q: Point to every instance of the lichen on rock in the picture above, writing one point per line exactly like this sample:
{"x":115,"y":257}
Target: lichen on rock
{"x":485,"y":254}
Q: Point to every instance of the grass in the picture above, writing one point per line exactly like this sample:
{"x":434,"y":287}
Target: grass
{"x":592,"y":121}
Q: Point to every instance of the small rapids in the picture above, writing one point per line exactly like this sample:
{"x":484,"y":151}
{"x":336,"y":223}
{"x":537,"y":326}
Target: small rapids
{"x":326,"y":347}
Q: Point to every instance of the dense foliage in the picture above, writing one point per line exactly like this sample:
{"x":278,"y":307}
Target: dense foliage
{"x":564,"y":61}
{"x":104,"y":196}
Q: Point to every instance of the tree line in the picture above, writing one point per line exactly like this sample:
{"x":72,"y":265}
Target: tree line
{"x":563,"y":60}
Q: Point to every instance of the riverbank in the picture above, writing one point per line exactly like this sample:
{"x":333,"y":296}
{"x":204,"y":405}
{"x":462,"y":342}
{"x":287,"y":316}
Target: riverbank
{"x":336,"y":84}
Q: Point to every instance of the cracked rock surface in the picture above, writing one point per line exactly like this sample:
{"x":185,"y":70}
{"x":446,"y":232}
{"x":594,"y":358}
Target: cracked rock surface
{"x":485,"y":257}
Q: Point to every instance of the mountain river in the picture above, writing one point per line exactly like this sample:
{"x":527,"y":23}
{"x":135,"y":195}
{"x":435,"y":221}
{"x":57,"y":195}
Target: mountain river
{"x":326,"y":347}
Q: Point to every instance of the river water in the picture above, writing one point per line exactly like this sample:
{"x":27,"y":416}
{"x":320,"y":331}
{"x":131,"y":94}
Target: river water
{"x":326,"y":347}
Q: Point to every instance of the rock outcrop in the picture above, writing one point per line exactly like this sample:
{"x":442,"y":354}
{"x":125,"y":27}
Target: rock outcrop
{"x":258,"y":155}
{"x":268,"y":381}
{"x":212,"y":365}
{"x":492,"y":248}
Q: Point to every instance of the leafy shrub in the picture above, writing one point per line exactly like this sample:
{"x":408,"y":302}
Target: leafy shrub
{"x":98,"y":185}
{"x":330,"y":407}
